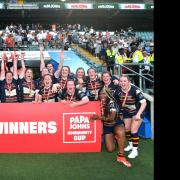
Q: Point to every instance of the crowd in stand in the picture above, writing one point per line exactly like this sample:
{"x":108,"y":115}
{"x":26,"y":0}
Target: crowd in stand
{"x":114,"y":48}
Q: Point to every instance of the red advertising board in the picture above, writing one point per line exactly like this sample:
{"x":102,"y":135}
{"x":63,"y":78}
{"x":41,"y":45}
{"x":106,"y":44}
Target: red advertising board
{"x":49,"y":128}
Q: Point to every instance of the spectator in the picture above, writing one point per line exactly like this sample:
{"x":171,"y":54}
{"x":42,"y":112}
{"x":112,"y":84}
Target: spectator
{"x":1,"y":42}
{"x":151,"y":56}
{"x":9,"y":42}
{"x":120,"y":57}
{"x":110,"y":59}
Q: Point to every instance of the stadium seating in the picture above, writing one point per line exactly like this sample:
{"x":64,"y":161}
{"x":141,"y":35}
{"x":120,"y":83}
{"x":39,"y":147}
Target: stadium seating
{"x":146,"y":36}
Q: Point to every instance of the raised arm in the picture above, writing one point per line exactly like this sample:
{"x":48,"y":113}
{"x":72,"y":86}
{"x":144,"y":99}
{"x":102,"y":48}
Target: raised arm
{"x":42,"y":63}
{"x":61,"y":62}
{"x":23,"y":68}
{"x":15,"y":73}
{"x":2,"y":76}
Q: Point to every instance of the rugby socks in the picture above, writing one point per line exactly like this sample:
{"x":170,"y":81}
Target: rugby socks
{"x":129,"y":136}
{"x":135,"y":140}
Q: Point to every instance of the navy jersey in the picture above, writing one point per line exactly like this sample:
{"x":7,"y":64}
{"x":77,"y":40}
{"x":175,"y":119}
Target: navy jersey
{"x":9,"y":93}
{"x":130,"y":102}
{"x":47,"y":94}
{"x":78,"y":95}
{"x":81,"y":87}
{"x":107,"y":109}
{"x":27,"y":90}
{"x":93,"y":88}
{"x":112,"y":87}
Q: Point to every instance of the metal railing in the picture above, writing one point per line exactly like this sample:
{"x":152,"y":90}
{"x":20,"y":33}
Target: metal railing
{"x":139,"y":72}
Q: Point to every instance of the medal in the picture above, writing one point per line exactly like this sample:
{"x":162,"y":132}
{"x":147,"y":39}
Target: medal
{"x":31,"y":94}
{"x":94,"y":88}
{"x":9,"y":86}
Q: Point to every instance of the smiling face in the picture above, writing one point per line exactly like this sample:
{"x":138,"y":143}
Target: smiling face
{"x":65,"y":72}
{"x":28,"y":74}
{"x":70,"y":87}
{"x":9,"y":78}
{"x":102,"y":96}
{"x":47,"y":81}
{"x":124,"y":83}
{"x":80,"y":73}
{"x":92,"y":74}
{"x":106,"y":78}
{"x":50,"y":68}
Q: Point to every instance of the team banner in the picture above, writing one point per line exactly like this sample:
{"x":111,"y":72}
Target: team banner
{"x":49,"y":128}
{"x":78,"y":6}
{"x":132,"y":6}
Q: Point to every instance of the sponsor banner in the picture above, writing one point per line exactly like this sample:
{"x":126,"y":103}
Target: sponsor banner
{"x":77,"y":128}
{"x":49,"y":128}
{"x":78,"y":6}
{"x":51,"y":5}
{"x":22,"y":6}
{"x":132,"y":6}
{"x":105,"y":6}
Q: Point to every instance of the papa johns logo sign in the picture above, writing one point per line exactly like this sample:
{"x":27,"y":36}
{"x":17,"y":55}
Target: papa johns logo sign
{"x":77,"y":128}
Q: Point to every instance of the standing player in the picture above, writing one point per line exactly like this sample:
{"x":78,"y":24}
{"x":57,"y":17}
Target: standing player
{"x":9,"y":82}
{"x":27,"y":85}
{"x":133,"y":104}
{"x":45,"y":93}
{"x":93,"y":85}
{"x":80,"y":79}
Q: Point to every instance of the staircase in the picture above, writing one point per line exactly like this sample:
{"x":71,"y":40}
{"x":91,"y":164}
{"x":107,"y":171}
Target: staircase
{"x":88,"y":57}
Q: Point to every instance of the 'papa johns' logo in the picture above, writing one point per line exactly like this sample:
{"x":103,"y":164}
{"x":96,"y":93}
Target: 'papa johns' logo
{"x":77,"y":128}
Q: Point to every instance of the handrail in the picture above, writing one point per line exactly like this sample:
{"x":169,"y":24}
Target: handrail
{"x":135,"y":71}
{"x":138,"y":64}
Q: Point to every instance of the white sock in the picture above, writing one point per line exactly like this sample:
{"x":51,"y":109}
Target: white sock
{"x":135,"y":148}
{"x":130,"y":143}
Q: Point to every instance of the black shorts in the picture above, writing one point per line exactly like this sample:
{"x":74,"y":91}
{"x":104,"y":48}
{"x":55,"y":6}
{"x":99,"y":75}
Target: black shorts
{"x":126,"y":114}
{"x":110,"y":129}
